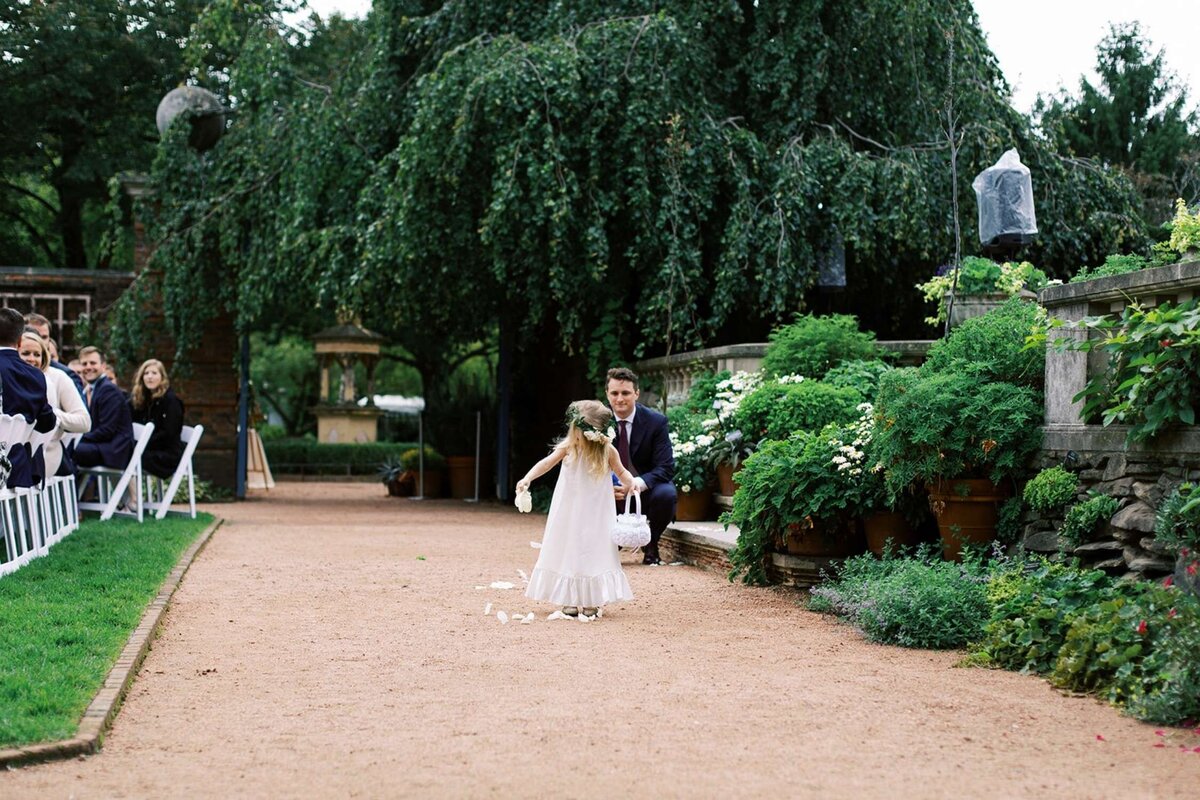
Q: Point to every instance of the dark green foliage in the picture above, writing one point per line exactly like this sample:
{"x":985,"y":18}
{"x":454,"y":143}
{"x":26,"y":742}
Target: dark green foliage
{"x":776,"y":410}
{"x":811,"y":346}
{"x":703,"y":392}
{"x":1114,"y":265}
{"x":1178,"y":520}
{"x":1153,"y":376}
{"x":931,"y":426}
{"x":1051,"y":490}
{"x":911,"y":602}
{"x":684,"y":423}
{"x":67,"y":615}
{"x":1135,"y":644}
{"x":308,"y":457}
{"x":1083,"y":518}
{"x":860,"y":375}
{"x":995,"y":344}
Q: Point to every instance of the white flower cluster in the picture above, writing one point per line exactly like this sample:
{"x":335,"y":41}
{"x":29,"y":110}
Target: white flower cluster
{"x":786,"y":379}
{"x":597,"y":436}
{"x":700,"y":442}
{"x":730,"y":393}
{"x":849,"y":457}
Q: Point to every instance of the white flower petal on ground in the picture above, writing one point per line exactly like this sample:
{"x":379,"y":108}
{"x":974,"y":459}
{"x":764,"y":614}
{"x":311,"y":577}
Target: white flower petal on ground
{"x":480,"y":587}
{"x":502,"y":585}
{"x":487,"y":609}
{"x":524,"y":577}
{"x":600,"y":612}
{"x":528,"y":619}
{"x":556,"y":615}
{"x":536,"y":545}
{"x":503,"y":617}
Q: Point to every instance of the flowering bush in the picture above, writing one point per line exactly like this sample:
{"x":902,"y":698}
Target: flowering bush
{"x":731,"y":446}
{"x":692,"y":470}
{"x":980,"y":276}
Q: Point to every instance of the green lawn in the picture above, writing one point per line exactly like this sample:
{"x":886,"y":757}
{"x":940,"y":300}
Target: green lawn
{"x":64,"y":619}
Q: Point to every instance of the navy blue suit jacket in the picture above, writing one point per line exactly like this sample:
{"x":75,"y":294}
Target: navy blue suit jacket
{"x":650,"y":447}
{"x":25,"y":394}
{"x":112,"y":426}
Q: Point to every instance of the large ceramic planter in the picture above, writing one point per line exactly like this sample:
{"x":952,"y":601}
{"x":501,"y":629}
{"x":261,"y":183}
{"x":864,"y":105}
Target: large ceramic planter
{"x":434,"y":480}
{"x":462,"y":476}
{"x":694,"y":506}
{"x":836,"y":539}
{"x":726,"y":484}
{"x":967,"y":510}
{"x":884,"y":526}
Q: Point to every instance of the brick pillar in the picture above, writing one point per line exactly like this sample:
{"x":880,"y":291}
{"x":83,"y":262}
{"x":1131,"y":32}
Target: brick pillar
{"x":209,"y":390}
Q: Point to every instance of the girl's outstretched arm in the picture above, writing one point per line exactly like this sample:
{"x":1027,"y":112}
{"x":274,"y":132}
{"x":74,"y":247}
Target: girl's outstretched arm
{"x":541,"y":468}
{"x":623,"y":475}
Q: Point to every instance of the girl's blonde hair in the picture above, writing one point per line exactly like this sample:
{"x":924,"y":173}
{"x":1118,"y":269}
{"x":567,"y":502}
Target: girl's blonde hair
{"x":33,"y":337}
{"x":589,"y":423}
{"x":141,"y":396}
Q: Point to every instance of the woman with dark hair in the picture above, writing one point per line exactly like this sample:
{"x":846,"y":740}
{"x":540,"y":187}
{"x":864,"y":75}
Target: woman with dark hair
{"x":153,"y":401}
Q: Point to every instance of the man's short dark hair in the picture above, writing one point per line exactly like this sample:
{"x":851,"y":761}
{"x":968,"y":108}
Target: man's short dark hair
{"x":622,"y":374}
{"x":34,"y":318}
{"x":12,"y":325}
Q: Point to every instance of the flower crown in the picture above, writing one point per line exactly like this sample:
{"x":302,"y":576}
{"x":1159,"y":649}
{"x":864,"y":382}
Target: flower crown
{"x":589,"y":431}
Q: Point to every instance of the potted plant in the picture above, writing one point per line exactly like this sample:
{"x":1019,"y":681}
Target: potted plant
{"x":731,"y":445}
{"x":693,"y":476}
{"x":960,"y":436}
{"x":1177,"y":526}
{"x":982,"y":286}
{"x":394,"y":475}
{"x":799,"y":495}
{"x":435,"y":465}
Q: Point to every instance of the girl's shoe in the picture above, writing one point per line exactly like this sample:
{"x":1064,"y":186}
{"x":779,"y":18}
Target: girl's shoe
{"x":590,"y":612}
{"x":571,"y":611}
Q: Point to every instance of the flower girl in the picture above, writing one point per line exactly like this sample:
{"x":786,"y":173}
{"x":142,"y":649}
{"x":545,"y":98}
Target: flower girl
{"x":578,"y":567}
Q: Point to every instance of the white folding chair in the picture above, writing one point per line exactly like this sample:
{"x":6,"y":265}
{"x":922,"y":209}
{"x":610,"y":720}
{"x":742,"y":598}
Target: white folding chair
{"x":22,"y":541}
{"x":112,"y":483}
{"x":159,"y":499}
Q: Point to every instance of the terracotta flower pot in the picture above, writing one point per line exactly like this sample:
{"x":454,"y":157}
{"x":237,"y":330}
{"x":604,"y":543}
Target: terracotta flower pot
{"x":434,"y":480}
{"x":462,"y":476}
{"x":694,"y":506}
{"x":883,"y":526}
{"x":833,"y":539}
{"x":726,"y":483}
{"x":967,"y":510}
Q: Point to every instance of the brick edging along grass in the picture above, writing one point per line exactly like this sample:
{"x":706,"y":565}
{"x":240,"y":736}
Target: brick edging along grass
{"x":104,"y":706}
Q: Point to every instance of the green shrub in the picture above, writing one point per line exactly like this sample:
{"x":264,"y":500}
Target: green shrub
{"x":269,"y":433}
{"x":411,"y":459}
{"x":1083,"y":518}
{"x":811,"y":346}
{"x":685,"y":423}
{"x":1165,"y":688}
{"x":1051,"y":490}
{"x":305,"y":456}
{"x":978,"y":276}
{"x":703,"y":392}
{"x":1113,"y":265}
{"x":911,"y":602}
{"x":861,"y":376}
{"x":1178,"y":521}
{"x":995,"y":343}
{"x":776,"y":410}
{"x":1032,"y":611}
{"x":931,"y":426}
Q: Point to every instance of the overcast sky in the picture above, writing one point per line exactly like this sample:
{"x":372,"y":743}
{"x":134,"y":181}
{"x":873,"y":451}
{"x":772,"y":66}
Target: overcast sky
{"x":1043,"y":44}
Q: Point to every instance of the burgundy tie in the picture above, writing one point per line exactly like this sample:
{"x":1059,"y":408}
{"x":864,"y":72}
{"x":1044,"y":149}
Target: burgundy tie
{"x":623,"y":443}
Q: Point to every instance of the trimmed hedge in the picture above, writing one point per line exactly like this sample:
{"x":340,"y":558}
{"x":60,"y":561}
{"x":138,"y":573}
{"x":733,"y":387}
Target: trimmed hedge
{"x":306,"y":457}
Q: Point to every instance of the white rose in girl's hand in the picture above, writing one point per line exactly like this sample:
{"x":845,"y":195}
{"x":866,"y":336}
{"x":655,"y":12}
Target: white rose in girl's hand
{"x":524,"y":502}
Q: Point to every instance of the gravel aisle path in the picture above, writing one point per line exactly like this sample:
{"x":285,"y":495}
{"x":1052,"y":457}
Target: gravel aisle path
{"x":330,"y":642}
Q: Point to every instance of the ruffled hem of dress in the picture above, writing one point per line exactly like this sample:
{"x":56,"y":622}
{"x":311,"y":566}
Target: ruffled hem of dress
{"x":573,"y":590}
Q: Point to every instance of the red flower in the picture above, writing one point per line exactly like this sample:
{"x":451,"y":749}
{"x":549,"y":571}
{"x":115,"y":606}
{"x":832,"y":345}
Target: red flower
{"x":1160,"y":733}
{"x":1171,"y":614}
{"x":1191,"y":568}
{"x":1169,"y":580}
{"x":1141,"y":628}
{"x":1099,"y":738}
{"x":1160,"y":744}
{"x":1165,"y":343}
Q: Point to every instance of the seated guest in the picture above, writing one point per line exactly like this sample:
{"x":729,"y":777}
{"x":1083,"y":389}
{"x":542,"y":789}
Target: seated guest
{"x":68,"y":405}
{"x":110,"y":441}
{"x":77,"y":368}
{"x":152,"y":400}
{"x":42,"y":326}
{"x":24,"y":393}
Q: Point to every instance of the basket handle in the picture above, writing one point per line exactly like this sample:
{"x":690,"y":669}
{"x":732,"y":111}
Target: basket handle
{"x":631,"y":495}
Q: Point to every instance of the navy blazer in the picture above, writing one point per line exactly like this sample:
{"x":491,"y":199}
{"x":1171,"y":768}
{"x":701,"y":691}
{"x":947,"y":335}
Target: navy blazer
{"x":25,"y":394}
{"x":112,"y":427}
{"x":75,"y":379}
{"x":650,"y":447}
